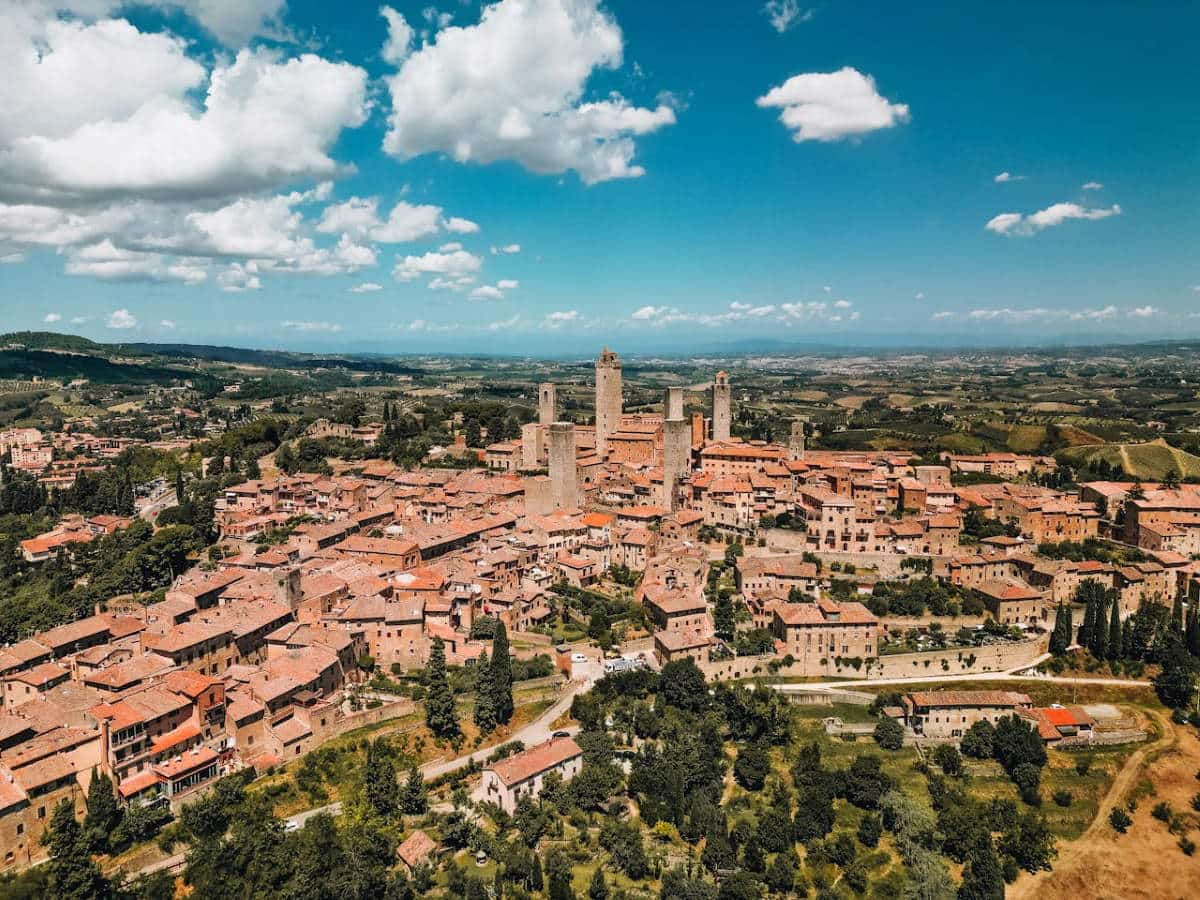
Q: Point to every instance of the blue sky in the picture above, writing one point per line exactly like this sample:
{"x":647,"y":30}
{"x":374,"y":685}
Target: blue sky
{"x":635,"y":154}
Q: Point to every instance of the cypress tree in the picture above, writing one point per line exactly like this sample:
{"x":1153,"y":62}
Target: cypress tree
{"x":179,"y":495}
{"x":982,"y":877}
{"x":1177,"y":613}
{"x":485,"y":695}
{"x":413,"y":800}
{"x":502,"y":679}
{"x":379,"y":780}
{"x":536,"y":882}
{"x":1099,"y":641}
{"x":1089,"y":622}
{"x":73,"y":874}
{"x":1193,"y":630}
{"x":439,"y":701}
{"x":1060,"y":637}
{"x":1115,"y":643}
{"x":103,"y":813}
{"x":598,"y":889}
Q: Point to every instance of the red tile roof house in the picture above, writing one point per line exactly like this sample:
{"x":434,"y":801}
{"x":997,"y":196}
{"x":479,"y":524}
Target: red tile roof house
{"x":522,"y":774}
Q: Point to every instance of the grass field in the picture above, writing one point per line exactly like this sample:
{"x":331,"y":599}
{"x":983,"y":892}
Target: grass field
{"x":1150,"y":461}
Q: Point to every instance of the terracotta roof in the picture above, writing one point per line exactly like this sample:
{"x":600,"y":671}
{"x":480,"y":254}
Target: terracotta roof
{"x":416,"y":849}
{"x":524,"y":765}
{"x":1007,"y":699}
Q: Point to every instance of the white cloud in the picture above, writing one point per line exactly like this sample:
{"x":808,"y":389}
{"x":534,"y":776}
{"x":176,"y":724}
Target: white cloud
{"x":458,"y":283}
{"x":511,"y":88}
{"x":459,"y":225}
{"x":232,"y":22}
{"x":1020,"y":316}
{"x":329,"y":327}
{"x":265,"y":120}
{"x":51,"y":318}
{"x":829,"y":106}
{"x":783,"y":14}
{"x":508,"y":249}
{"x":399,"y":39}
{"x":487,"y":292}
{"x":1144,"y":312}
{"x":367,"y":287}
{"x":504,"y":324}
{"x":408,"y":222}
{"x":919,"y":295}
{"x":646,"y":313}
{"x":81,"y":320}
{"x":1091,"y":186}
{"x":167,"y":324}
{"x":454,"y":264}
{"x":1007,"y":176}
{"x":842,"y":304}
{"x":426,"y":325}
{"x":561,"y":317}
{"x":1017,"y":225}
{"x":450,"y":247}
{"x":356,"y":216}
{"x":9,"y":259}
{"x":239,"y":277}
{"x":121,"y":318}
{"x":508,"y":284}
{"x":107,"y":262}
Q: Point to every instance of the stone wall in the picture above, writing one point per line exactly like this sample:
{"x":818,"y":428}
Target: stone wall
{"x":976,"y":660}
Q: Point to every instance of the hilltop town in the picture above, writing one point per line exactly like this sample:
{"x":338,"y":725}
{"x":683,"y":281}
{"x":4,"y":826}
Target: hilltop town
{"x":226,"y":597}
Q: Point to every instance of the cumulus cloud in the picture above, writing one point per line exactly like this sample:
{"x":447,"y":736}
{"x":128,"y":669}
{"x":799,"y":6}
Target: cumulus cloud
{"x":406,"y":221}
{"x":487,"y":292}
{"x":508,"y":249}
{"x":107,"y":262}
{"x":1007,"y":176}
{"x":455,"y":264}
{"x":121,"y":319}
{"x":329,"y":327}
{"x":1144,"y":312}
{"x":399,"y":39}
{"x":51,"y":318}
{"x":1018,"y":225}
{"x":504,"y":324}
{"x":830,"y":106}
{"x":511,"y":88}
{"x":167,"y":324}
{"x":783,"y":14}
{"x":458,"y":225}
{"x":1091,"y":186}
{"x":561,"y":317}
{"x":265,"y":120}
{"x":239,"y":277}
{"x":1025,"y":315}
{"x":367,"y":287}
{"x":785,"y":313}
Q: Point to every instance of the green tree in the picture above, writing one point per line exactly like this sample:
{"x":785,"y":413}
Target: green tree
{"x":889,"y":734}
{"x":752,"y":766}
{"x":977,"y":741}
{"x":439,"y":701}
{"x":73,"y":875}
{"x":682,"y":685}
{"x":1176,"y":683}
{"x":1017,"y":742}
{"x":598,"y":889}
{"x":558,"y":872}
{"x":781,"y":874}
{"x":1098,"y":641}
{"x":723,"y":617}
{"x":103,"y":813}
{"x":485,"y":698}
{"x":1114,"y":631}
{"x":982,"y":878}
{"x":413,"y":799}
{"x":502,"y":677}
{"x":1060,"y":637}
{"x":380,"y":787}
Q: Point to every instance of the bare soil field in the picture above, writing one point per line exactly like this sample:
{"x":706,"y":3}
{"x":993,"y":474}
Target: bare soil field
{"x":1146,"y":862}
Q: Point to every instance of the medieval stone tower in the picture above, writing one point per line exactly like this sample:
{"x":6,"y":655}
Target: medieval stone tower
{"x":720,"y":407}
{"x":608,"y":399}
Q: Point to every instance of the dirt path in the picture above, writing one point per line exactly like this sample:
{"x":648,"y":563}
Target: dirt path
{"x":1142,"y":863}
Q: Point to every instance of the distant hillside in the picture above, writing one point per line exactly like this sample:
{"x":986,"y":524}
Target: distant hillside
{"x":1149,"y":462}
{"x":51,"y":340}
{"x":274,"y":359}
{"x":26,"y":364}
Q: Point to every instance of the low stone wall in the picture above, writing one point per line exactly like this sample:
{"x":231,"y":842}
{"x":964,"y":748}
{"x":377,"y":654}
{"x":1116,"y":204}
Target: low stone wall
{"x":339,"y":723}
{"x":957,"y":661}
{"x":886,"y":565}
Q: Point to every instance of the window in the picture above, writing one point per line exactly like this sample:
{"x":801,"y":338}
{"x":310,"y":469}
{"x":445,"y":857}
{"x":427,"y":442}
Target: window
{"x":41,"y":812}
{"x":20,"y":828}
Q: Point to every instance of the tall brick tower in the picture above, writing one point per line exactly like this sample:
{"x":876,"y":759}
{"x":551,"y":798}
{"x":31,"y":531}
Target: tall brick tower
{"x":547,"y":401}
{"x":608,"y":399}
{"x":720,"y":407}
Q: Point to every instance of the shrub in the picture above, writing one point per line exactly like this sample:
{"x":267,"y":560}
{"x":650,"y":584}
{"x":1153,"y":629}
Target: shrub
{"x":889,"y":734}
{"x":1162,"y":811}
{"x":1083,"y":765}
{"x":1063,"y":798}
{"x":1187,"y":845}
{"x":1119,"y":820}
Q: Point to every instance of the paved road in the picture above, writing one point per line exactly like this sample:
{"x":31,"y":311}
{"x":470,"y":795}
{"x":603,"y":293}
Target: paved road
{"x":158,"y":504}
{"x":540,"y":729}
